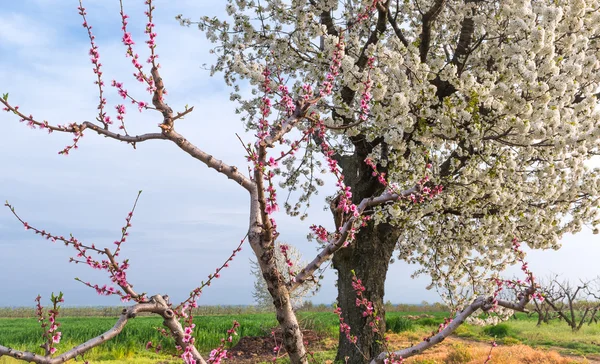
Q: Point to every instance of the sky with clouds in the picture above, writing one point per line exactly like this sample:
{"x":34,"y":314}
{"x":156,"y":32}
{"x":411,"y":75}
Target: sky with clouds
{"x":189,"y":218}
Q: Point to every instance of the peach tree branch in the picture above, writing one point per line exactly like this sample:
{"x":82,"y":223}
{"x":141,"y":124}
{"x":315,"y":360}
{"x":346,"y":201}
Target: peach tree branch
{"x":344,"y":232}
{"x":156,"y":305}
{"x":483,"y":303}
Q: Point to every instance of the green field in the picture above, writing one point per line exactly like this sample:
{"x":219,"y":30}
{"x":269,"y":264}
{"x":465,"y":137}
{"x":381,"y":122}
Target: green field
{"x":25,"y":334}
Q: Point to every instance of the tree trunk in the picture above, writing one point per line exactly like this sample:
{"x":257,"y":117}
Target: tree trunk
{"x":593,"y":317}
{"x":369,"y":258}
{"x":292,"y":336}
{"x":540,"y":318}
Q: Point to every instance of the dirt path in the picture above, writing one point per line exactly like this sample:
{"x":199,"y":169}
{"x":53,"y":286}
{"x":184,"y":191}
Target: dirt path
{"x":454,"y":350}
{"x":592,"y":359}
{"x":457,"y":350}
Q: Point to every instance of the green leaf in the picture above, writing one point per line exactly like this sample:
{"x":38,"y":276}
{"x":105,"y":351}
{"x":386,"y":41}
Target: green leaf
{"x":5,"y":96}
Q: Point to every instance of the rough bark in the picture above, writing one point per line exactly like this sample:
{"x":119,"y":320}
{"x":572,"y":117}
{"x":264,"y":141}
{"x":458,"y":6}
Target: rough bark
{"x":292,"y":336}
{"x":369,"y":257}
{"x":262,"y":241}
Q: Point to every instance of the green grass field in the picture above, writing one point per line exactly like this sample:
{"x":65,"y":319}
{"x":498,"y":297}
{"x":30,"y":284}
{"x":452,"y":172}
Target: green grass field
{"x":25,"y":334}
{"x":556,"y":335}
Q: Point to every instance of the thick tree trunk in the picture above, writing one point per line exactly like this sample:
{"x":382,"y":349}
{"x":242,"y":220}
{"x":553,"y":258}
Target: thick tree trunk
{"x":262,"y":244}
{"x":368,"y":257}
{"x":292,"y":336}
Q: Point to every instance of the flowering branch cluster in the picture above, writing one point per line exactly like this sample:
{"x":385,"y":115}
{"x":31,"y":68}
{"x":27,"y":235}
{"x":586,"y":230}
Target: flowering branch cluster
{"x":184,"y":309}
{"x":441,"y":326}
{"x":220,"y":353}
{"x":95,"y":59}
{"x":344,"y":327}
{"x":182,"y":334}
{"x":364,"y":15}
{"x":367,"y":96}
{"x":128,"y":42}
{"x":529,"y":280}
{"x":117,"y":270}
{"x":50,"y":327}
{"x":380,"y":175}
{"x":486,"y":304}
{"x":288,"y":260}
{"x":154,"y":83}
{"x":374,"y":320}
{"x":493,"y":344}
{"x":276,"y":348}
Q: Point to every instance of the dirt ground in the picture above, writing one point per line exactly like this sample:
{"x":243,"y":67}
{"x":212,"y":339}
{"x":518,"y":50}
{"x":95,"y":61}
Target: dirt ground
{"x":454,"y":350}
{"x":260,"y":348}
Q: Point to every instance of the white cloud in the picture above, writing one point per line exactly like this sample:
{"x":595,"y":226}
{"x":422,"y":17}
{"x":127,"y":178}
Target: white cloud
{"x":20,"y":31}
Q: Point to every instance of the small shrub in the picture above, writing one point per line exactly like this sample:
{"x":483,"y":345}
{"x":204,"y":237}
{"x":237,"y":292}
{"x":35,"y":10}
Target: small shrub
{"x":398,"y":324}
{"x":458,"y":354}
{"x":499,"y":331}
{"x":464,"y":331}
{"x":428,"y":322}
{"x":510,"y":341}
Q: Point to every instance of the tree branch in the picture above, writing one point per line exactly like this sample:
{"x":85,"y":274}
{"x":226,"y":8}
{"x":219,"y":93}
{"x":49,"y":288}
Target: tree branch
{"x":337,"y":244}
{"x":78,"y":128}
{"x":380,"y":28}
{"x":397,"y":29}
{"x":157,"y":305}
{"x":428,"y":19}
{"x":231,"y":172}
{"x":286,"y":126}
{"x":479,"y":303}
{"x":121,"y":137}
{"x":464,"y":43}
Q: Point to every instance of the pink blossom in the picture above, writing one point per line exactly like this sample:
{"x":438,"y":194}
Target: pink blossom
{"x":127,"y":39}
{"x":141,"y":105}
{"x":56,"y":337}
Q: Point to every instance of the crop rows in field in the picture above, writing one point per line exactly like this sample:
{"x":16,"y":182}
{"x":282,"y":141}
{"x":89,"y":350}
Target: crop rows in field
{"x":25,"y":333}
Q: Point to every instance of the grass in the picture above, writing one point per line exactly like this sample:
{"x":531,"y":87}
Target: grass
{"x":128,"y":347}
{"x":555,"y":335}
{"x":22,"y":333}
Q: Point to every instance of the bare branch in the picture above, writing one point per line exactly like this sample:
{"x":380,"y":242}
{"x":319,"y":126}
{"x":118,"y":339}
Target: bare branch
{"x":121,"y":137}
{"x":231,"y":172}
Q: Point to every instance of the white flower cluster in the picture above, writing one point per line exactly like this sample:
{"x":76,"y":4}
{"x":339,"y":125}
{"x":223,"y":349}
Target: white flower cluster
{"x":509,"y":118}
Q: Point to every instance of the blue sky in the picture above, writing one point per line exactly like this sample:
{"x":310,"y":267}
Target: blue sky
{"x":189,"y":218}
